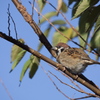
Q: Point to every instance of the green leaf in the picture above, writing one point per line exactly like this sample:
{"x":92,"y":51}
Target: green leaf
{"x":75,"y":8}
{"x":84,"y":5}
{"x":74,"y":34}
{"x":64,"y":7}
{"x":24,"y":69}
{"x":31,"y":57}
{"x":58,"y":22}
{"x":46,"y":33}
{"x":59,"y":37}
{"x":60,"y":2}
{"x":34,"y":66}
{"x":16,"y":50}
{"x":97,"y":57}
{"x":95,"y":41}
{"x":48,"y":16}
{"x":84,"y":36}
{"x":97,"y":25}
{"x":22,"y":41}
{"x":18,"y":59}
{"x":41,"y":4}
{"x":88,"y":19}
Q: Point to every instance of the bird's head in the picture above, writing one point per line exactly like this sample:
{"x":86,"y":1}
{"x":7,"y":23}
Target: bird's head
{"x":60,"y":47}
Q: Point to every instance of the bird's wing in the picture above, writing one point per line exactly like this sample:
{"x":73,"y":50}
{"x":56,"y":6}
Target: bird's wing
{"x":67,"y":58}
{"x":78,"y":53}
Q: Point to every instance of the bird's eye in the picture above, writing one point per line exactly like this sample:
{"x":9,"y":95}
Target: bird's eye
{"x":60,"y":49}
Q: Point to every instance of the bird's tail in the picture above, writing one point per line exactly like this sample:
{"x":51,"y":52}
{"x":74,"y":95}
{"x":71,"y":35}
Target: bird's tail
{"x":94,"y":62}
{"x":90,"y":61}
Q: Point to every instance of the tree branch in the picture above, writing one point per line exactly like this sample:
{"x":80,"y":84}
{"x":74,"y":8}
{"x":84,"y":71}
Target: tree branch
{"x":86,"y":83}
{"x":34,"y":26}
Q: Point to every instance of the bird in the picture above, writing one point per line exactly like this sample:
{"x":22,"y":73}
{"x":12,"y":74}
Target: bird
{"x":73,"y":59}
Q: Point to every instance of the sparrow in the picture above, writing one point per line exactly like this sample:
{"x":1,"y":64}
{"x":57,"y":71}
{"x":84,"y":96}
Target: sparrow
{"x":73,"y":59}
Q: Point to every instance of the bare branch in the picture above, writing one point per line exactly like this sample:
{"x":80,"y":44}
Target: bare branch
{"x":8,"y":20}
{"x":82,"y":91}
{"x":9,"y":16}
{"x":1,"y":81}
{"x":57,"y":65}
{"x":82,"y":97}
{"x":65,"y":83}
{"x":55,"y":84}
{"x":68,"y":78}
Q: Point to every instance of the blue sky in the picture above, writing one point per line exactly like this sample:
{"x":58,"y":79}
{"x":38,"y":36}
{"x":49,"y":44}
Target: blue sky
{"x":40,"y":87}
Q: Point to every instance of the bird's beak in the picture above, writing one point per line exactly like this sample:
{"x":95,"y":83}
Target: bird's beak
{"x":54,"y":48}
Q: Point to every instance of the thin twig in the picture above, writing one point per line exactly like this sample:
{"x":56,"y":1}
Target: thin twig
{"x":55,"y":84}
{"x":1,"y":81}
{"x":68,"y":78}
{"x":33,"y":2}
{"x":8,"y":19}
{"x":93,"y":95}
{"x":65,"y":83}
{"x":73,"y":82}
{"x":82,"y":97}
{"x":9,"y":16}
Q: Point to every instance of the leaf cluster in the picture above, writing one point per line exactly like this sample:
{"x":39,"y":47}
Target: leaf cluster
{"x":88,"y":12}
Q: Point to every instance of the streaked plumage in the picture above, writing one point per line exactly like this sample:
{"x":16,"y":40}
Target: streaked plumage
{"x":74,"y":59}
